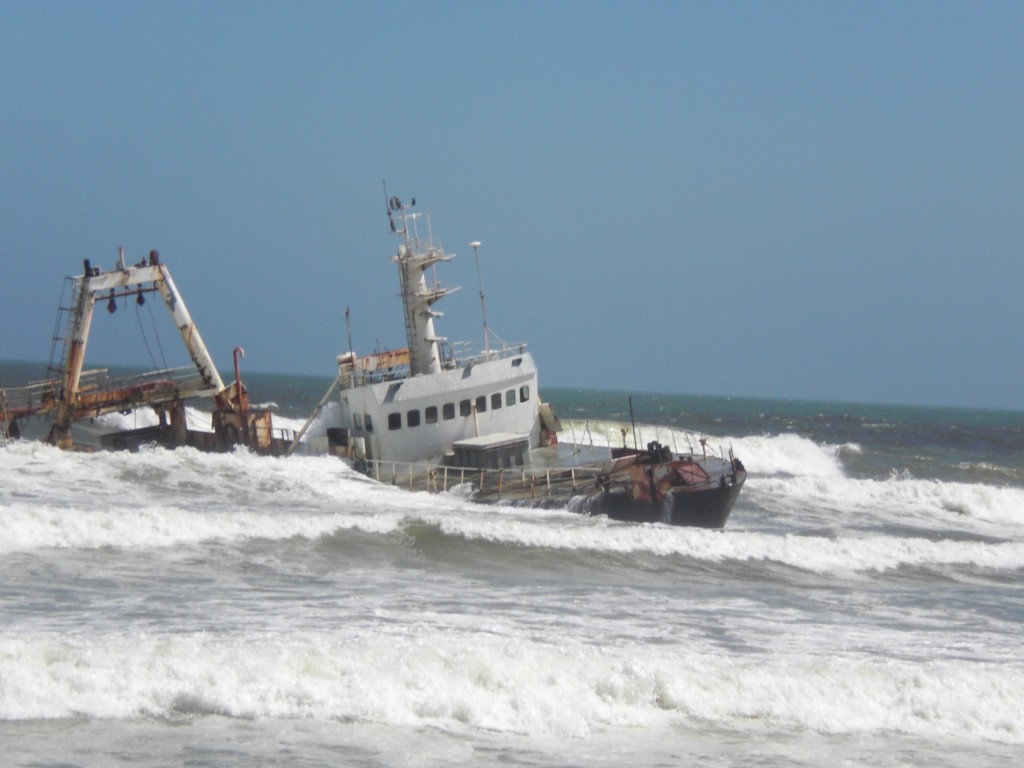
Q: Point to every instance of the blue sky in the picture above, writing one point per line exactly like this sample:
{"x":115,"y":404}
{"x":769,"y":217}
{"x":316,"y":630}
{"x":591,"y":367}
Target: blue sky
{"x":790,"y":199}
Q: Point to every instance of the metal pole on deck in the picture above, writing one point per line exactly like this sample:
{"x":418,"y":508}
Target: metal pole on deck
{"x":632,"y":421}
{"x":483,"y":307}
{"x":312,"y":416}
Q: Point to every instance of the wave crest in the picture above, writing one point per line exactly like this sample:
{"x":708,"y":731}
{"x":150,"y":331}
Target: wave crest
{"x":502,"y":683}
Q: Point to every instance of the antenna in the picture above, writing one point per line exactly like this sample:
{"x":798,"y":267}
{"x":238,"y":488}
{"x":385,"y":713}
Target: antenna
{"x":348,"y":328}
{"x":483,"y":306}
{"x":389,"y":206}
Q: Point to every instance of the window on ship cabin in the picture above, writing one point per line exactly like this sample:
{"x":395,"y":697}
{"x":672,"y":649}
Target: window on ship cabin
{"x":369,"y":423}
{"x":394,"y":421}
{"x":357,"y":421}
{"x":524,"y":393}
{"x":465,"y":408}
{"x":496,"y":401}
{"x":412,"y":418}
{"x":510,"y":397}
{"x":448,"y":411}
{"x":481,"y":404}
{"x":430,"y":414}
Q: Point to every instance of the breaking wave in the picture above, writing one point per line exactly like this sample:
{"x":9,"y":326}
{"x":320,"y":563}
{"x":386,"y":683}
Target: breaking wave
{"x":506,"y":684}
{"x":785,"y":454}
{"x":160,"y":498}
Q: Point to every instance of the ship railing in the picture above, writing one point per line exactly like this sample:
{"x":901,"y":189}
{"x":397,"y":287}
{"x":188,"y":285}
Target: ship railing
{"x":395,"y":373}
{"x":504,"y":484}
{"x":454,"y":356}
{"x":281,"y":439}
{"x":624,"y":435}
{"x":148,"y":388}
{"x":41,"y":397}
{"x":32,"y":398}
{"x":100,"y":378}
{"x":181,"y":376}
{"x":460,"y":354}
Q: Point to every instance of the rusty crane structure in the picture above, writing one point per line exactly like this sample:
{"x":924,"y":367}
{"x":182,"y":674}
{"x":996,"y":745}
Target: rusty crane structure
{"x":70,"y":393}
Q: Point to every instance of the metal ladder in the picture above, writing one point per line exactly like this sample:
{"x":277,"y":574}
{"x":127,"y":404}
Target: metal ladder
{"x":55,"y":368}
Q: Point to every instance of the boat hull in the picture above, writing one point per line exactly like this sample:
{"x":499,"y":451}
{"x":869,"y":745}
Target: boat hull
{"x":705,"y":506}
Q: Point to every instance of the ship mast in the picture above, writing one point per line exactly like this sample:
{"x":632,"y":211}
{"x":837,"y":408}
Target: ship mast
{"x":418,"y":296}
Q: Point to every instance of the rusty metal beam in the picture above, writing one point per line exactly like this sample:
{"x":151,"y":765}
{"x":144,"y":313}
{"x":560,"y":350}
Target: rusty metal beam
{"x":95,"y":284}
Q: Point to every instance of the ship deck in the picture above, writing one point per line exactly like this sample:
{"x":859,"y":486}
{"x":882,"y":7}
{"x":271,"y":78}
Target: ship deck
{"x":556,"y":473}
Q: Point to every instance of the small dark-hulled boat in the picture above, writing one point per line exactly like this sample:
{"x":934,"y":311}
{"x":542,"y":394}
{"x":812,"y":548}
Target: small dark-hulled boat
{"x":657,"y":486}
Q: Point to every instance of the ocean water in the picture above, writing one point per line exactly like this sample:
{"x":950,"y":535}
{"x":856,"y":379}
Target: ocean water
{"x":863,"y":606}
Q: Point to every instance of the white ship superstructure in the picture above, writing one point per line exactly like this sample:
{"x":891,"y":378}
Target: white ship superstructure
{"x":413,"y":404}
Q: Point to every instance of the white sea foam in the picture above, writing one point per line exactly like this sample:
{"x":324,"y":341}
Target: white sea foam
{"x":506,"y":684}
{"x":791,"y":455}
{"x":159,"y":498}
{"x":414,"y":633}
{"x":785,"y":454}
{"x":201,"y":420}
{"x":820,"y":554}
{"x":196,"y":419}
{"x":788,"y":473}
{"x":46,"y":526}
{"x":898,"y":499}
{"x":329,"y":416}
{"x":34,"y":527}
